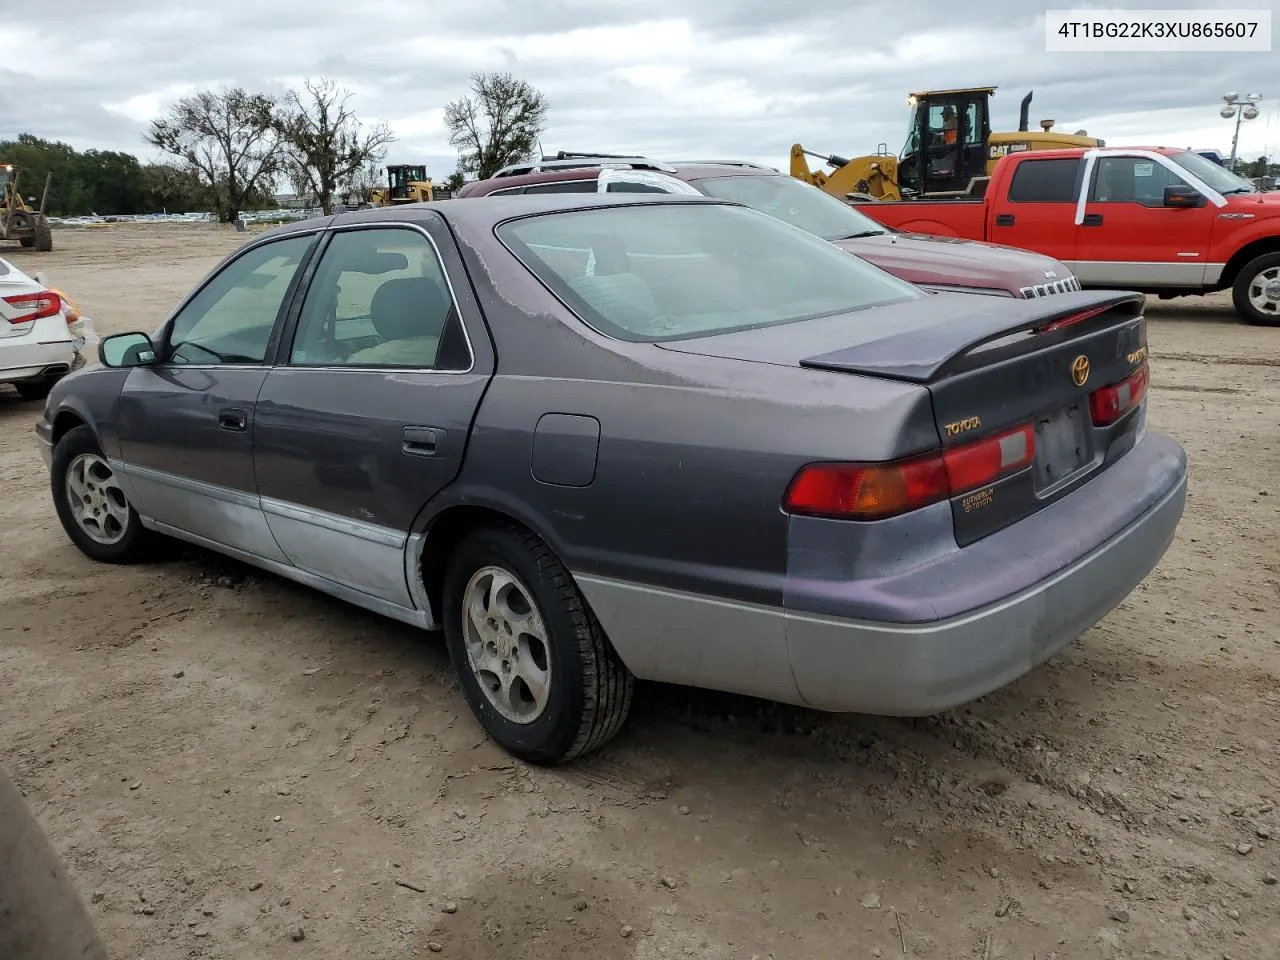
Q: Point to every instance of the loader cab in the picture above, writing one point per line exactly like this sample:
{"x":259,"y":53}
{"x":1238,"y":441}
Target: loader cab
{"x":946,"y":146}
{"x":399,"y":176}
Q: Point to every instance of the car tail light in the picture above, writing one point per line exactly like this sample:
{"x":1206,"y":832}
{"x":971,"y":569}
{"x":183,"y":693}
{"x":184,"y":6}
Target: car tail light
{"x":875,"y":491}
{"x":36,"y":306}
{"x":1108,"y":404}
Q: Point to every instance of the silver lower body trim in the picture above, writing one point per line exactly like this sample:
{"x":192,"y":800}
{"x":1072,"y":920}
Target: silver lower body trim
{"x":1144,"y":274}
{"x":417,"y":618}
{"x":849,"y":665}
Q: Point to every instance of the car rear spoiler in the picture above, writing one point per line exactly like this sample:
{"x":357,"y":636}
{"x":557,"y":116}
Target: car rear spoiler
{"x":925,"y":354}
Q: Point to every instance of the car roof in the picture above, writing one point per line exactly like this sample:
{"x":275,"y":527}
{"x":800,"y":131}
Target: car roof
{"x":485,"y":212}
{"x":1067,"y":153}
{"x":589,"y":167}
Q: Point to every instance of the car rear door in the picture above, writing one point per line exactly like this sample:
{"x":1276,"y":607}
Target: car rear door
{"x":367,"y":412}
{"x":186,"y":423}
{"x":1036,"y":210}
{"x":1126,"y":236}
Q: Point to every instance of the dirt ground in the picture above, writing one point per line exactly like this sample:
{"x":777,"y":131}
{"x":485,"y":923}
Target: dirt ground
{"x":236,"y":767}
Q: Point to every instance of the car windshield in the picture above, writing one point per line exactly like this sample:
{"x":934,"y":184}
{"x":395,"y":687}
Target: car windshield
{"x":1219,"y":178}
{"x":798,"y":203}
{"x":670,"y":271}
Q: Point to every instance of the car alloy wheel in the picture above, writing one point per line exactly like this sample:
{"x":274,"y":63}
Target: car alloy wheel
{"x":535,"y":666}
{"x":507,"y":645}
{"x":91,"y":501}
{"x":98,"y":505}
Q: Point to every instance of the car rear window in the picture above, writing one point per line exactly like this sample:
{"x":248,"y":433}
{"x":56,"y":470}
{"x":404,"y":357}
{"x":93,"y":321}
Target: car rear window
{"x":656,"y":272}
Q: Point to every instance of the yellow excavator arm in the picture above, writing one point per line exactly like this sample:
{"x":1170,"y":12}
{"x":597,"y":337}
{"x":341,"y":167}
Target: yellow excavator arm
{"x":873,"y":177}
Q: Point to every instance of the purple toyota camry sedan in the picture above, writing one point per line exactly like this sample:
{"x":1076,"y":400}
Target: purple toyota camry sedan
{"x":600,"y":437}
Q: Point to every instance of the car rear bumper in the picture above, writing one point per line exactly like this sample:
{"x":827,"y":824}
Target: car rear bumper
{"x":33,"y":361}
{"x":842,"y":661}
{"x":922,"y":668}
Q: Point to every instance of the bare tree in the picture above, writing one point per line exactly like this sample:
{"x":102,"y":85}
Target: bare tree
{"x":360,"y":185}
{"x":325,"y":145}
{"x":498,"y":124}
{"x":228,"y":138}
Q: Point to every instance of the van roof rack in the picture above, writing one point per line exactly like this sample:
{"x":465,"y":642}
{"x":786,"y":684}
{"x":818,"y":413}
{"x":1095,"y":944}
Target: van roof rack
{"x":565,"y":160}
{"x":725,"y":163}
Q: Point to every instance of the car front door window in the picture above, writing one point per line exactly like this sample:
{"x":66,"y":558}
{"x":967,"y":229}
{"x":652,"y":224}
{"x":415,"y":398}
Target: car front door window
{"x":1132,"y":180}
{"x":230,"y":320}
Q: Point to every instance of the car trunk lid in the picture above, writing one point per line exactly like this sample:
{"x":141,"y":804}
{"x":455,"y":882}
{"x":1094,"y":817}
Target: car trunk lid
{"x":1046,"y":388}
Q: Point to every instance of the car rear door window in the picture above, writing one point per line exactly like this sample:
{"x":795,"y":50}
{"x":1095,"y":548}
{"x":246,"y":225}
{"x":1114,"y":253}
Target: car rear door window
{"x":1054,"y":180}
{"x":380,"y":298}
{"x":229,"y":321}
{"x":666,"y":271}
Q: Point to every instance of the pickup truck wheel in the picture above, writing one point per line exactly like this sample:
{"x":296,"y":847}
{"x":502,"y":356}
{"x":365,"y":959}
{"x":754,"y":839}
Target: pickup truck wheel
{"x":1256,"y":292}
{"x":535,"y":666}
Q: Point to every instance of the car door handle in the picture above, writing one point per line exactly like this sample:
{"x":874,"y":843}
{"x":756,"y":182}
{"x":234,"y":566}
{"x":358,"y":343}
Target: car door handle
{"x":1004,"y":219}
{"x":1092,"y":220}
{"x":232,"y":418}
{"x":420,"y":441}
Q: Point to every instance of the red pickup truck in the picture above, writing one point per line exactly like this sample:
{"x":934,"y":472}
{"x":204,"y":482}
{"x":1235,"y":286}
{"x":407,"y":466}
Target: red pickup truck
{"x":1151,"y":219}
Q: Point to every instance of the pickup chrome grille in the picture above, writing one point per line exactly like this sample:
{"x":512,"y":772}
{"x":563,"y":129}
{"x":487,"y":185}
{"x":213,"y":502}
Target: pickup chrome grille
{"x":1069,"y":285}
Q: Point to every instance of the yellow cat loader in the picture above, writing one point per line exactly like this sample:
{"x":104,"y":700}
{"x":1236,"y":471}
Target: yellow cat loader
{"x":950,"y":150}
{"x":407,"y":183}
{"x":18,"y":220}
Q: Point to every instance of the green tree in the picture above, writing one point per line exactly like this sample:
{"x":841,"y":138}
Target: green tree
{"x":325,"y":145}
{"x":101,"y":181}
{"x":35,"y":159}
{"x":174,"y":189}
{"x":498,"y":124}
{"x":230,"y":138}
{"x":455,"y":181}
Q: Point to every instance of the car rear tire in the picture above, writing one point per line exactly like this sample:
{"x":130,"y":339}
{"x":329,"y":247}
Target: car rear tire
{"x":535,"y":666}
{"x":34,"y":389}
{"x":1256,"y":292}
{"x":90,"y":502}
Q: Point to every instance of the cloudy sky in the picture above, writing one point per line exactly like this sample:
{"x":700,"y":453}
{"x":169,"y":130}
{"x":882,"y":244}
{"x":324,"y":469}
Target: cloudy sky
{"x":740,"y":79}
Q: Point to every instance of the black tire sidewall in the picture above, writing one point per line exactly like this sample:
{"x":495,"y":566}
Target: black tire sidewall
{"x":32,"y":390}
{"x":553,"y":734}
{"x":1240,"y":290}
{"x":74,"y":443}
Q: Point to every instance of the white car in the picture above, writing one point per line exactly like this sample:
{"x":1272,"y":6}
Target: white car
{"x":41,"y":334}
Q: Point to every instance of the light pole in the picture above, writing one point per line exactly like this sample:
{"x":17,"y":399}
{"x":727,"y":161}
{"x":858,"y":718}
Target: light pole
{"x":1232,"y":107}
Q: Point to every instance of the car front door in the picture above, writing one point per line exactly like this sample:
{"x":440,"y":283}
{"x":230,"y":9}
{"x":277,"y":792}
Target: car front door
{"x":367,"y":412}
{"x":1127,"y":237}
{"x":186,"y":423}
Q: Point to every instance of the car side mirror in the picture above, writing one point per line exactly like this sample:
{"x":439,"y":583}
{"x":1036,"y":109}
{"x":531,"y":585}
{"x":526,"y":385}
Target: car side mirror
{"x":126,"y":350}
{"x":1180,"y":195}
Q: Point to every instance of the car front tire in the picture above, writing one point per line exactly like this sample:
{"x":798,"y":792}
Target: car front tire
{"x":90,"y":502}
{"x":535,"y":666}
{"x":1252,"y":292}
